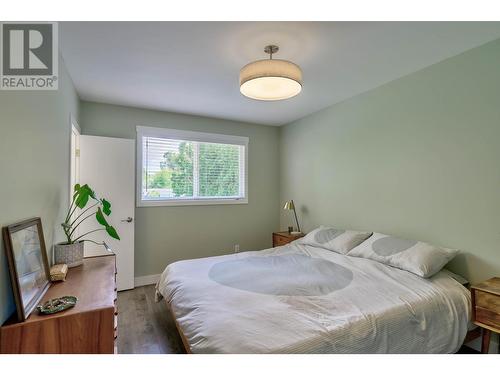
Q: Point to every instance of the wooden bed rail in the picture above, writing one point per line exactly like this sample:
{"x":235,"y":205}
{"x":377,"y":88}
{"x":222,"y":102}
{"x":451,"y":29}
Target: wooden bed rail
{"x":185,"y":341}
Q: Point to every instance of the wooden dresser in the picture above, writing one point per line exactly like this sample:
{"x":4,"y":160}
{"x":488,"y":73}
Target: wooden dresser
{"x":282,"y":238}
{"x":486,"y":309}
{"x":89,"y":327}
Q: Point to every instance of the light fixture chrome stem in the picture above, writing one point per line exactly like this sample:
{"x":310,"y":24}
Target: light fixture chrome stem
{"x":270,"y":49}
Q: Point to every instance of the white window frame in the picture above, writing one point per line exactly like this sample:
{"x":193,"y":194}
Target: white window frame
{"x":185,"y":135}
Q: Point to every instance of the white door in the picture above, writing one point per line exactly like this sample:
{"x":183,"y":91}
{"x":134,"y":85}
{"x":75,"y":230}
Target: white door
{"x":107,"y":165}
{"x":75,"y":159}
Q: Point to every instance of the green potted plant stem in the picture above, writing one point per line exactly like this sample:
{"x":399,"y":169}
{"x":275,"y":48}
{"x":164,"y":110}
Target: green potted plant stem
{"x":84,"y":206}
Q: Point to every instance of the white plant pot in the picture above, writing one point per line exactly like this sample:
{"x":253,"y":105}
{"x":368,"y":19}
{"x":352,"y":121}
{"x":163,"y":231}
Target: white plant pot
{"x":71,"y":254}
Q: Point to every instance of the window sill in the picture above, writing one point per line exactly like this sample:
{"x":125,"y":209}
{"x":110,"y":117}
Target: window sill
{"x":194,"y":202}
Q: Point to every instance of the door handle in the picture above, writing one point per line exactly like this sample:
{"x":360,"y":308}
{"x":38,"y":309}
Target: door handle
{"x":127,"y":220}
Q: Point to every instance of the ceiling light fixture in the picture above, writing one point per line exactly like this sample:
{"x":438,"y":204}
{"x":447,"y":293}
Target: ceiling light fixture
{"x":270,"y":79}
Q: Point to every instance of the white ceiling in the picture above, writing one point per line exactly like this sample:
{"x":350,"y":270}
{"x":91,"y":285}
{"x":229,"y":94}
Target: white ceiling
{"x":193,"y":67}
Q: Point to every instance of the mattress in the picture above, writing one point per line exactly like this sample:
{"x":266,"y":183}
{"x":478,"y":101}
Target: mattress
{"x":302,"y":299}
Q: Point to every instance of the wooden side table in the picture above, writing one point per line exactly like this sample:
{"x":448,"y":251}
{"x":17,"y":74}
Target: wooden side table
{"x":282,"y":238}
{"x":486,"y":309}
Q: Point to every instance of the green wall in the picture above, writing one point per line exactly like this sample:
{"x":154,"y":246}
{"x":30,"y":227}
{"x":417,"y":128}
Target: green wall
{"x":166,"y":234}
{"x":418,"y":157}
{"x":34,"y":160}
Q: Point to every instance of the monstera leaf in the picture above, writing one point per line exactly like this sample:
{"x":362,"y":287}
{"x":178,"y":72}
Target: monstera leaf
{"x":83,"y":194}
{"x":100,"y":218}
{"x":75,"y":190}
{"x":106,"y":207}
{"x":112,"y":232}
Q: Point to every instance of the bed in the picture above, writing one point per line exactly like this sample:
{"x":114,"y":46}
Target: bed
{"x":303,"y":299}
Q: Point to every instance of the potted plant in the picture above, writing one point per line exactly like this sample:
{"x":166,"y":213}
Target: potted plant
{"x":71,"y":251}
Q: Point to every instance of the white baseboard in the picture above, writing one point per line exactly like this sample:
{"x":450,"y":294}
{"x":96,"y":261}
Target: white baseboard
{"x":146,"y":280}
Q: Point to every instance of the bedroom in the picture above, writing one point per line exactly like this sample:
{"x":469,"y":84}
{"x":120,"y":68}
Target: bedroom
{"x":262,"y":187}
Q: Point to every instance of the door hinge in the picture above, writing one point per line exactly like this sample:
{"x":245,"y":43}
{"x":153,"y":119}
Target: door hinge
{"x":77,"y":153}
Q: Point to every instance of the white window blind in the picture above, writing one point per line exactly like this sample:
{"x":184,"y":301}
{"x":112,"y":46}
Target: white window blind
{"x":181,"y":167}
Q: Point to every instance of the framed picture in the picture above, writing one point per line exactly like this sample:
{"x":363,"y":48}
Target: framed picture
{"x":28,"y":265}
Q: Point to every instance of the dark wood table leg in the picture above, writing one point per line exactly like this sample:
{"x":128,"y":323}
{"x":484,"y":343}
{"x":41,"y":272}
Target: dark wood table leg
{"x":485,"y":345}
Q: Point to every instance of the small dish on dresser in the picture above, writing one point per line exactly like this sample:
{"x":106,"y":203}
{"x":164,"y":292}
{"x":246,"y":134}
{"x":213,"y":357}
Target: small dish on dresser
{"x":55,"y":305}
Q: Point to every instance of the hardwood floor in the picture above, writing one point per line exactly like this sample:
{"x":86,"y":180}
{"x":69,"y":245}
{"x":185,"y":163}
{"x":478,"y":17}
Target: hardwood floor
{"x":144,"y":326}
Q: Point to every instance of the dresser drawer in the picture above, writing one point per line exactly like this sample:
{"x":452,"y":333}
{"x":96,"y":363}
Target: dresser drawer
{"x":88,"y":328}
{"x":283,"y":238}
{"x":487,"y":301}
{"x":487,"y":317}
{"x":280,"y":240}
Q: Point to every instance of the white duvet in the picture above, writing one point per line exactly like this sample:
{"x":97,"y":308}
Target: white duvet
{"x":302,"y":299}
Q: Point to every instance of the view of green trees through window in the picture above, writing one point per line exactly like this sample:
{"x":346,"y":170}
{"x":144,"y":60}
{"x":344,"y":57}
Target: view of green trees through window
{"x":189,"y":169}
{"x":179,"y":164}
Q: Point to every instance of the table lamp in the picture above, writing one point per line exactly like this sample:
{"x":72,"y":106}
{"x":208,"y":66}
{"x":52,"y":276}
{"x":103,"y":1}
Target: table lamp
{"x":289,"y":205}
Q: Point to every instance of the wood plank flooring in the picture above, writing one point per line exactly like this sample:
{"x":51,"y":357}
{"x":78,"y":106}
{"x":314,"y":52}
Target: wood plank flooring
{"x":144,"y":326}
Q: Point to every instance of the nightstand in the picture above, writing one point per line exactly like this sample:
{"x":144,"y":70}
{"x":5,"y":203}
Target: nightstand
{"x":486,"y":309}
{"x":282,"y":238}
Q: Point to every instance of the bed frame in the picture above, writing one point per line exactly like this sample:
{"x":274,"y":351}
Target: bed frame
{"x":185,"y":341}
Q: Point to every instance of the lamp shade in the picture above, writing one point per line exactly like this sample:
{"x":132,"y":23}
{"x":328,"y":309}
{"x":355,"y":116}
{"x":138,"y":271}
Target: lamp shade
{"x":270,"y":80}
{"x":289,"y":205}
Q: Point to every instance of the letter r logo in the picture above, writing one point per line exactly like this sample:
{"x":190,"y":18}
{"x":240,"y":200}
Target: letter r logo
{"x":27,"y":49}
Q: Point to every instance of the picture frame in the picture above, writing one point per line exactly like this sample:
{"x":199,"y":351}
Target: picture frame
{"x":28,"y":264}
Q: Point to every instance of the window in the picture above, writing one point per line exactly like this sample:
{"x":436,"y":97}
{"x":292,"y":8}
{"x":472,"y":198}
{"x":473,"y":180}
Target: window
{"x":177,"y":167}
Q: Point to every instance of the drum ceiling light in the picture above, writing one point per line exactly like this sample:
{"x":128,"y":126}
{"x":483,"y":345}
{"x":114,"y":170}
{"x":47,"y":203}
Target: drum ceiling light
{"x":270,"y":79}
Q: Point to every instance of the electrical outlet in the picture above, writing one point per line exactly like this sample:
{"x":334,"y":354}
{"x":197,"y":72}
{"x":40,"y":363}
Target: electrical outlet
{"x":237,"y":248}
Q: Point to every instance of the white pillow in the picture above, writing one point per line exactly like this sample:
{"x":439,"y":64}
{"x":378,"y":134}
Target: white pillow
{"x":338,"y":240}
{"x":417,"y":257}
